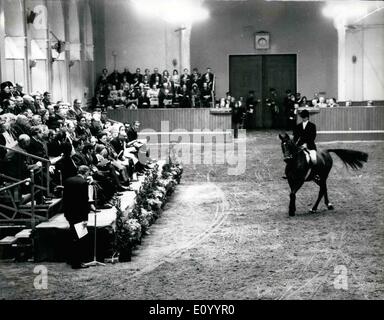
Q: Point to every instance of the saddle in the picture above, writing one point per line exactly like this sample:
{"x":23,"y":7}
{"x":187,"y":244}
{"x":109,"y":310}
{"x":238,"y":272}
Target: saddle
{"x":311,"y":156}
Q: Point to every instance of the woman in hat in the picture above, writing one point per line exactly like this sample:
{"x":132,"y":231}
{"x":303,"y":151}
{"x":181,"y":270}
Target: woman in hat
{"x":5,"y":92}
{"x":304,"y":133}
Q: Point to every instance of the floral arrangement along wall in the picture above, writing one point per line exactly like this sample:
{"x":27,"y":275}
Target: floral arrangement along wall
{"x":131,"y":226}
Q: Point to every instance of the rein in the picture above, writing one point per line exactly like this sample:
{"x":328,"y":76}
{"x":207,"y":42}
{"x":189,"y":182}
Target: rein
{"x":296,"y":152}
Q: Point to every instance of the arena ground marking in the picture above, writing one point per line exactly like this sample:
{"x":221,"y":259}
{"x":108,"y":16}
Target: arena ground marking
{"x":349,"y":141}
{"x":150,"y":133}
{"x":170,"y":257}
{"x":350,"y":131}
{"x":331,"y":255}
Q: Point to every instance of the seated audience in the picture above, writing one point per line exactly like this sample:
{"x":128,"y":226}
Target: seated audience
{"x":166,"y":95}
{"x":195,"y":96}
{"x":206,"y":95}
{"x":155,"y":78}
{"x":46,"y":99}
{"x":68,"y":137}
{"x":303,"y":103}
{"x":5,"y":92}
{"x":153,"y":95}
{"x":332,"y":103}
{"x":19,"y":90}
{"x":322,"y":103}
{"x":143,"y":99}
{"x":183,"y":97}
{"x":134,"y":90}
{"x":175,"y":78}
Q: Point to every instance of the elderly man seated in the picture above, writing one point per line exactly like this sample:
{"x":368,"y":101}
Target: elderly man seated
{"x":138,"y":147}
{"x":18,"y":166}
{"x":108,"y":152}
{"x":6,"y":131}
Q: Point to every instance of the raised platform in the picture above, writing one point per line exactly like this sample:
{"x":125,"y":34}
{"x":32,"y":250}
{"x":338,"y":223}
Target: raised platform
{"x":113,"y":225}
{"x":51,"y":237}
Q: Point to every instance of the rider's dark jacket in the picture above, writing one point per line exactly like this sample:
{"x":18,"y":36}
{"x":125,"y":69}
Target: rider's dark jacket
{"x":307,"y":135}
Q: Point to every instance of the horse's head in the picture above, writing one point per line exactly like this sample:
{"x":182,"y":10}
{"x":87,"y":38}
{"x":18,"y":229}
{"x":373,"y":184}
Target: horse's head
{"x":288,"y":147}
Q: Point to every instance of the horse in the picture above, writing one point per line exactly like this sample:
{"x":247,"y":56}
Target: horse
{"x":299,"y":169}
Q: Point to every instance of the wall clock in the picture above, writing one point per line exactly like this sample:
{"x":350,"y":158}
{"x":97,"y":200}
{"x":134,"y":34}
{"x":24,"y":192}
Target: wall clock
{"x":262,"y":40}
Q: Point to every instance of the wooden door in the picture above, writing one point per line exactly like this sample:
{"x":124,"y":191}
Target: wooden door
{"x":261,"y":73}
{"x":279,"y":73}
{"x":245,"y":74}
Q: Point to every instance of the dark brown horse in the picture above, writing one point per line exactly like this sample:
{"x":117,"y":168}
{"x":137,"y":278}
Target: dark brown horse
{"x":298,"y":169}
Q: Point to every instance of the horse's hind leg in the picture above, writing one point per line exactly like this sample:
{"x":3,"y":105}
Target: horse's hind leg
{"x":323,"y":188}
{"x":326,"y":201}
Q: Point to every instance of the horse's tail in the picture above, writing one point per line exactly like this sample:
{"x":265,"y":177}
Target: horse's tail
{"x":351,"y":158}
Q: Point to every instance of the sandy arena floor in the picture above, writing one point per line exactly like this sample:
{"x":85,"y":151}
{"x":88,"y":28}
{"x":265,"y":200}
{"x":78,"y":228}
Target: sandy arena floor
{"x":230,"y":237}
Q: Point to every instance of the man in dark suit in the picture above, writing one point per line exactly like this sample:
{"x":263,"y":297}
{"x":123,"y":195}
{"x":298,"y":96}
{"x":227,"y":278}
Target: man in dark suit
{"x":237,"y":114}
{"x":142,"y":151}
{"x":17,"y":165}
{"x":126,"y":150}
{"x":132,"y":132}
{"x":47,"y":99}
{"x":57,"y":119}
{"x":38,"y":146}
{"x":304,"y":133}
{"x":208,"y":76}
{"x":76,"y":209}
{"x":118,"y":143}
{"x":155,"y":75}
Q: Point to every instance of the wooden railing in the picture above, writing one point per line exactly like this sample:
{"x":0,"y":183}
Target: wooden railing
{"x":44,"y":177}
{"x":14,"y":208}
{"x":165,"y":120}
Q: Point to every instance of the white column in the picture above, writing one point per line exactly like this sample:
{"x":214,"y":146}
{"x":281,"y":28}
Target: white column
{"x":185,"y":47}
{"x":341,"y":83}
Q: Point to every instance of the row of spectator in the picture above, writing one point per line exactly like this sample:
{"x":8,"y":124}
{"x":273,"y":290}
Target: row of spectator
{"x":67,"y":137}
{"x":151,"y":90}
{"x":318,"y":101}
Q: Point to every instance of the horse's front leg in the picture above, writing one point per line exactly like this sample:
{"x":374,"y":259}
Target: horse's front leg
{"x":292,"y":204}
{"x":295,"y":186}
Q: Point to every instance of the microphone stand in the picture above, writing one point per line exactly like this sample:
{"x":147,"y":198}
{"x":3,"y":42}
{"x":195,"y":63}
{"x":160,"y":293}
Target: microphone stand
{"x":94,"y":263}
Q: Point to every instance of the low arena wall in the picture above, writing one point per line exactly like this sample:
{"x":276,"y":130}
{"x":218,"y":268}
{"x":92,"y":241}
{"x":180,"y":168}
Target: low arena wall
{"x":348,"y":123}
{"x":175,"y":118}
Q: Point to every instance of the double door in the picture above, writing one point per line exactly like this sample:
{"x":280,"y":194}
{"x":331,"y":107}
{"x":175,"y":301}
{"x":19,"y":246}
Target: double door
{"x":261,"y":73}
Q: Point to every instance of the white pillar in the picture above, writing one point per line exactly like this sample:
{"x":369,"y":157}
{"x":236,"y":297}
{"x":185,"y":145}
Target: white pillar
{"x":341,"y":83}
{"x":185,"y":47}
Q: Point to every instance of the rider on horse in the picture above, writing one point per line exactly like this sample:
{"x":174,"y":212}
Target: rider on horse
{"x":304,"y":135}
{"x":300,"y":167}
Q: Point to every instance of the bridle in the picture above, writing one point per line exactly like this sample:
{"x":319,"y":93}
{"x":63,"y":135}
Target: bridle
{"x":287,"y":147}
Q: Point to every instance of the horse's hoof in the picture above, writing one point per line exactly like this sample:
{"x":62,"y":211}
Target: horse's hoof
{"x":330,"y":207}
{"x":291,"y":214}
{"x":312,"y":211}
